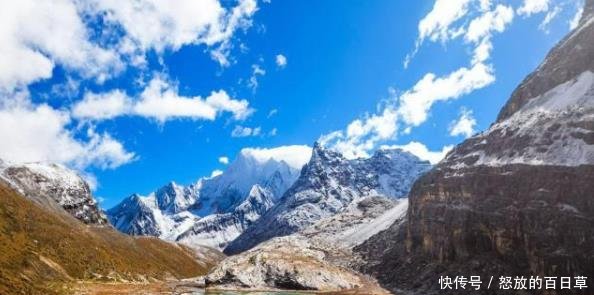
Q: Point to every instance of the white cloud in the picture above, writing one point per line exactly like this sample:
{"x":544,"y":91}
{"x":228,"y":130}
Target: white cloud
{"x":224,"y":160}
{"x":490,"y":21}
{"x":281,"y":61}
{"x":37,"y":35}
{"x":362,"y":135}
{"x":294,"y":155}
{"x":412,"y":107}
{"x":420,"y":150}
{"x":102,"y":106}
{"x":40,"y":133}
{"x":171,"y":24}
{"x":273,"y":132}
{"x":436,"y":25}
{"x":551,"y":14}
{"x":463,"y":125}
{"x":215,"y":173}
{"x":272,"y":113}
{"x":253,"y":81}
{"x":530,"y":7}
{"x":240,"y":131}
{"x":575,"y":20}
{"x":160,"y":100}
{"x":416,"y":103}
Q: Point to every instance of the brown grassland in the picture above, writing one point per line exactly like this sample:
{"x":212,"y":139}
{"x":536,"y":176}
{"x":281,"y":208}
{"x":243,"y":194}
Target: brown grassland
{"x":41,"y":249}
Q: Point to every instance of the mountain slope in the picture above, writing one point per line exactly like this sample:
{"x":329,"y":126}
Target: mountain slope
{"x":213,"y":211}
{"x":328,"y":184}
{"x":64,"y":187}
{"x":41,"y":247}
{"x":517,"y":199}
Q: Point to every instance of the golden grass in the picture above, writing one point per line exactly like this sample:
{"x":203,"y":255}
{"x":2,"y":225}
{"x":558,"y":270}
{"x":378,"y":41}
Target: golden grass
{"x":39,"y":249}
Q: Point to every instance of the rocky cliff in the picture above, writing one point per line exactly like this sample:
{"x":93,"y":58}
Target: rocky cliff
{"x":53,"y":184}
{"x":517,"y":199}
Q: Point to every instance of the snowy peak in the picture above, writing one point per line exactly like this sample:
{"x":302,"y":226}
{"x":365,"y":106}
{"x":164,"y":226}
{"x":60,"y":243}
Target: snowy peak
{"x":212,"y":211}
{"x":135,"y":215}
{"x":549,"y":119}
{"x":329,"y":184}
{"x":53,"y":183}
{"x":175,"y":198}
{"x":570,"y":58}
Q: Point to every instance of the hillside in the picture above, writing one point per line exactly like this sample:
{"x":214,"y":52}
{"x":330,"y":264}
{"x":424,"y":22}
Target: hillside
{"x":42,"y":247}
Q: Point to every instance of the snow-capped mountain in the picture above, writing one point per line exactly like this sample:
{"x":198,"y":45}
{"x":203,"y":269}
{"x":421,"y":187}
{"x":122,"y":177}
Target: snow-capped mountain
{"x":328,"y":184}
{"x":212,"y":211}
{"x":54,"y":186}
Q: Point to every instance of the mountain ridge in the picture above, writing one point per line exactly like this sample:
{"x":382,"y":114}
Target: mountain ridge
{"x":212,"y":211}
{"x":327,"y":185}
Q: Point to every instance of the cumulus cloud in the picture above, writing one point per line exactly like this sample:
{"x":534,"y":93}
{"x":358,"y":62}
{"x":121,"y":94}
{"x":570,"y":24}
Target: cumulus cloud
{"x":530,"y":7}
{"x":362,"y":135}
{"x":464,"y":125}
{"x":160,"y":100}
{"x":281,"y":61}
{"x":412,"y":108}
{"x":224,"y":160}
{"x":437,"y":24}
{"x":420,"y":150}
{"x":102,"y":106}
{"x":40,"y":134}
{"x":241,"y":131}
{"x":37,"y":35}
{"x":171,"y":24}
{"x":294,"y":155}
{"x":491,"y":21}
{"x":416,"y":103}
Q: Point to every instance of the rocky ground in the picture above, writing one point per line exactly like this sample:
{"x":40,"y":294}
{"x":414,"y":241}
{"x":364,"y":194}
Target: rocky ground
{"x":319,"y":258}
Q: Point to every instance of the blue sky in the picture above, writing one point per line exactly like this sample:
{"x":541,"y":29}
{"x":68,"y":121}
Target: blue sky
{"x":136,"y":98}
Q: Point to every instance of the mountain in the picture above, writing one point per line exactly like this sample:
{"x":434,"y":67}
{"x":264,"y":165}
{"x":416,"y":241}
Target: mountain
{"x":50,"y":239}
{"x":213,"y":211}
{"x":65,"y":188}
{"x":515,"y":200}
{"x":328,"y":184}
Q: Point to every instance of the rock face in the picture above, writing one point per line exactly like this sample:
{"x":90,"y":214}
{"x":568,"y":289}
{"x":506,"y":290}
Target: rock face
{"x":517,"y":199}
{"x":48,"y":184}
{"x":214,"y":210}
{"x":284,"y":263}
{"x":319,"y":257}
{"x":328,"y":184}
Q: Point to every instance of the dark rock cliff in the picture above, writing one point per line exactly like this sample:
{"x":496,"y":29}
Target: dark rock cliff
{"x":515,"y":200}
